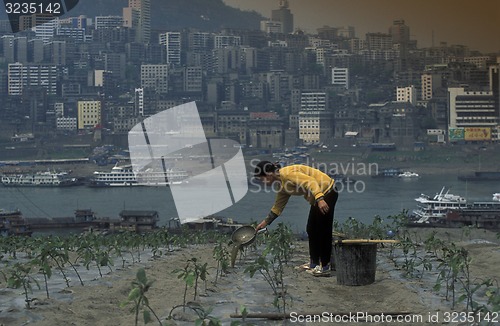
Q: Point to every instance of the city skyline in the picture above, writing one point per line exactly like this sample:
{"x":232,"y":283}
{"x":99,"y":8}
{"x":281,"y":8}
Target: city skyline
{"x":474,"y":24}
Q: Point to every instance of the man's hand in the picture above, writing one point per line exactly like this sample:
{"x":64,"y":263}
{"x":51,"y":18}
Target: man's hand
{"x":323,"y":206}
{"x":261,"y":225}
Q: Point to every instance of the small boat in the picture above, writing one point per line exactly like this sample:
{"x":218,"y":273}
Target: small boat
{"x":496,"y":196}
{"x":408,"y":174}
{"x":387,"y":173}
{"x":13,"y":223}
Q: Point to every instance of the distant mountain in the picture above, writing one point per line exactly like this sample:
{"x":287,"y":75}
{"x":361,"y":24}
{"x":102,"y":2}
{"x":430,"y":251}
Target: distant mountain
{"x":175,"y":14}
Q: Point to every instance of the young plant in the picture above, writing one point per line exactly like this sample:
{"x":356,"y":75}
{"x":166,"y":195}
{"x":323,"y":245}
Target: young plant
{"x":20,"y":276}
{"x":272,"y":262}
{"x":187,"y":274}
{"x":221,"y":255}
{"x":137,"y":296}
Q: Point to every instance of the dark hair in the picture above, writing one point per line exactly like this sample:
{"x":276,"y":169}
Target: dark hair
{"x":264,"y":167}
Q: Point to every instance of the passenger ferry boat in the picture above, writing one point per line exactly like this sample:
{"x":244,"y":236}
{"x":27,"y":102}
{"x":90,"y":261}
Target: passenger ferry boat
{"x":39,"y":179}
{"x":123,"y":176}
{"x":431,"y":209}
{"x":447,"y":210}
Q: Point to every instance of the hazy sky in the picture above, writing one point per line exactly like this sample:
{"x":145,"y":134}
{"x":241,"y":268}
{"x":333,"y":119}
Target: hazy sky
{"x":475,"y":23}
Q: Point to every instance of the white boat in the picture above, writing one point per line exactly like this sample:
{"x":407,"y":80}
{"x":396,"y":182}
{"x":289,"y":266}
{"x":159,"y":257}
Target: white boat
{"x":430,"y":209}
{"x":121,"y":176}
{"x":408,"y":174}
{"x":496,"y":196}
{"x":39,"y":179}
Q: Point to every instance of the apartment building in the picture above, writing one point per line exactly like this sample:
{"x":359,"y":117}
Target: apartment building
{"x":155,"y":77}
{"x":406,"y":94}
{"x":21,"y":76}
{"x":89,"y":114}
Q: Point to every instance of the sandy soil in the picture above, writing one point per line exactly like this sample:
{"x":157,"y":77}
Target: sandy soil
{"x":98,"y":302}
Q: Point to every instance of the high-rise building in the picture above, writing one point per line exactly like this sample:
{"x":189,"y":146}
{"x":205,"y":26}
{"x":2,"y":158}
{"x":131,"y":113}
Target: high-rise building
{"x":224,"y":41}
{"x":340,"y":77}
{"x":44,"y":26}
{"x":406,"y":94}
{"x":471,"y":109}
{"x":271,"y":26}
{"x":35,"y":50}
{"x":138,"y":16}
{"x":8,"y":48}
{"x":378,"y":41}
{"x":400,"y":32}
{"x":346,"y":32}
{"x":494,"y":74}
{"x":193,"y":79}
{"x":173,"y":47}
{"x":55,"y":52}
{"x":115,"y":63}
{"x":315,"y":120}
{"x":139,"y":102}
{"x":108,"y":21}
{"x":89,"y":114}
{"x":22,"y":76}
{"x":155,"y":77}
{"x":283,"y":15}
{"x":426,"y":81}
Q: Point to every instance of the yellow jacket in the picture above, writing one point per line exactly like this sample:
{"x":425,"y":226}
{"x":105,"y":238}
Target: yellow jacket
{"x":300,"y":180}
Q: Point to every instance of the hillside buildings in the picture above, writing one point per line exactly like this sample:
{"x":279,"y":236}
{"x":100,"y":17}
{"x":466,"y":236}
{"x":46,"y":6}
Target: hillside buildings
{"x":265,"y":88}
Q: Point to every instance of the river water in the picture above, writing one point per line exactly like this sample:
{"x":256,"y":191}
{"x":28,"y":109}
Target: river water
{"x":363,"y":200}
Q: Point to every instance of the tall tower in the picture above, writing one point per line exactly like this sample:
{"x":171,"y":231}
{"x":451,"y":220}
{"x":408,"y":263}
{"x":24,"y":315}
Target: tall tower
{"x":400,"y":32}
{"x":283,"y":15}
{"x":173,"y":47}
{"x":138,"y":15}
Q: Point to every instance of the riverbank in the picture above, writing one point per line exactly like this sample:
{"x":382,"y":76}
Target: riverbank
{"x":449,"y":160}
{"x":98,"y":302}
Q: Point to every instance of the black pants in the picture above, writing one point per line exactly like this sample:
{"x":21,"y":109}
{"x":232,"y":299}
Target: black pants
{"x":319,"y":229}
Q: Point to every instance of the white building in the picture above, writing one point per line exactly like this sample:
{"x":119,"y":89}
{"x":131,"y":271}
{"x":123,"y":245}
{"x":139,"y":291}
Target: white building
{"x":406,"y":94}
{"x":21,"y":76}
{"x":65,"y":123}
{"x":224,"y":41}
{"x":271,"y":26}
{"x":108,"y":22}
{"x":45,"y":27}
{"x":315,"y":120}
{"x":139,"y":101}
{"x":340,"y":77}
{"x":471,"y":109}
{"x":173,"y":46}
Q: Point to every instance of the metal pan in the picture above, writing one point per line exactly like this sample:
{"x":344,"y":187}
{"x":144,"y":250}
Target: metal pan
{"x":245,"y":235}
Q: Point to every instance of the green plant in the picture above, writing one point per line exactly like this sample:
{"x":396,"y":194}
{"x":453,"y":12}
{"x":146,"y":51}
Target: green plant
{"x":271,"y":263}
{"x":20,"y":276}
{"x":455,"y":261}
{"x":137,"y":295}
{"x":191,"y":273}
{"x":221,"y":255}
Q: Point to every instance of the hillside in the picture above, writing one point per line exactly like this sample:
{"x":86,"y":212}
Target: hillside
{"x":207,"y":15}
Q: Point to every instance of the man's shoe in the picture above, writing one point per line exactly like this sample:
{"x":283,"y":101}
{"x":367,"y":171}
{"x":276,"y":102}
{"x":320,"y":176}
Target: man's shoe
{"x":321,"y":272}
